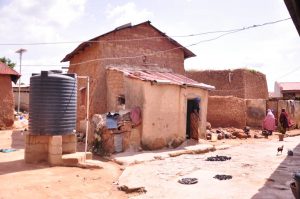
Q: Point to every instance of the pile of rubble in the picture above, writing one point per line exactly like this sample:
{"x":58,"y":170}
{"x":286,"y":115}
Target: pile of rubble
{"x":115,"y":132}
{"x":21,"y":120}
{"x":231,"y":133}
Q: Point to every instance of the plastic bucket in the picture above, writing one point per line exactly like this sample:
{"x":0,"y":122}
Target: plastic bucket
{"x":214,"y":137}
{"x":281,"y":136}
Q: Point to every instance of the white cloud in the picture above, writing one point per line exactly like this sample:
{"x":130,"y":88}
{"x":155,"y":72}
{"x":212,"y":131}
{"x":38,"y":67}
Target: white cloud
{"x":37,"y":20}
{"x":33,"y":21}
{"x":65,"y":12}
{"x":126,"y":13}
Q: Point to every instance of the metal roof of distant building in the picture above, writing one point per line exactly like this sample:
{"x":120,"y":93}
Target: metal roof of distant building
{"x":5,"y":70}
{"x":187,"y":52}
{"x":160,"y":77}
{"x":289,"y":86}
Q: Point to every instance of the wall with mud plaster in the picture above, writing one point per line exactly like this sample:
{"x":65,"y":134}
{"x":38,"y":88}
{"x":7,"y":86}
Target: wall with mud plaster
{"x":292,"y":107}
{"x":255,"y":112}
{"x":163,"y":110}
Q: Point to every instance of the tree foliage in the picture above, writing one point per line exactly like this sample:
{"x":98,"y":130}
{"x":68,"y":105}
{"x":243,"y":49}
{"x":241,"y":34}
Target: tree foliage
{"x":8,"y":62}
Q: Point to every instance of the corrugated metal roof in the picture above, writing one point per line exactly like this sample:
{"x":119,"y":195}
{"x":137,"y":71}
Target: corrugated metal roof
{"x":289,"y":86}
{"x":161,"y":77}
{"x":82,"y":46}
{"x":5,"y":70}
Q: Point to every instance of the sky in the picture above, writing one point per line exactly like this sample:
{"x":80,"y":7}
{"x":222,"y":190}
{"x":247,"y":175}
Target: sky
{"x":273,"y":50}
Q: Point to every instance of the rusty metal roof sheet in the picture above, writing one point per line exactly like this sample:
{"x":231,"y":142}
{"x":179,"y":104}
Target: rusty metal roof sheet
{"x":5,"y":70}
{"x":161,"y":77}
{"x":82,"y":46}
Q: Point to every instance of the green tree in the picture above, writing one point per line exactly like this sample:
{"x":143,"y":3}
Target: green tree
{"x":8,"y":62}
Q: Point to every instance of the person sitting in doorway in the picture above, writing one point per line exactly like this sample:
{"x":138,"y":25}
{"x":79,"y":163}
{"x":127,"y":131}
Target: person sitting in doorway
{"x":195,"y":117}
{"x":268,"y":124}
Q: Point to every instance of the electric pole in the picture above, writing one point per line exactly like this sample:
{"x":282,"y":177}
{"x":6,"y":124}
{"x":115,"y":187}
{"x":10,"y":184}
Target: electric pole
{"x":20,"y":51}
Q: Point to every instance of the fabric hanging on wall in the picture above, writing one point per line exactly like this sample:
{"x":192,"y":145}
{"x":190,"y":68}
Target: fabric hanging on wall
{"x":135,"y":115}
{"x":194,"y":125}
{"x":292,"y":107}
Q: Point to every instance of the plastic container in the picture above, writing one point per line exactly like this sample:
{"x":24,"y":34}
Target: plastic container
{"x":281,"y":136}
{"x":52,"y":104}
{"x":214,"y":137}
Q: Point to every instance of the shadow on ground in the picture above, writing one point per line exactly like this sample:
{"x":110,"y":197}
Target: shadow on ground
{"x":18,"y":166}
{"x":278,"y":184}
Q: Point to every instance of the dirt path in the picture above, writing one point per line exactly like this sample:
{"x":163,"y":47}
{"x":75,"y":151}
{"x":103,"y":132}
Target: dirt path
{"x":258,"y":172}
{"x":20,"y":180}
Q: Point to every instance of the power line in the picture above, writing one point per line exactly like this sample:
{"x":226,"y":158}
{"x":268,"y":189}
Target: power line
{"x":289,"y":73}
{"x":180,"y":47}
{"x":172,"y":49}
{"x":231,"y":31}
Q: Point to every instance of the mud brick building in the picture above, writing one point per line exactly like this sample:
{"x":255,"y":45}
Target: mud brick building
{"x":241,"y":83}
{"x":239,"y":98}
{"x":7,"y":75}
{"x":138,"y":45}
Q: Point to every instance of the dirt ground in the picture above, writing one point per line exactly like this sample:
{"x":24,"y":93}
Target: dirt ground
{"x":258,"y":172}
{"x":20,"y":180}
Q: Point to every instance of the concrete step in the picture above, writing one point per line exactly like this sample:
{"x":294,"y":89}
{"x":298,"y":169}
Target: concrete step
{"x":74,"y":159}
{"x":91,"y":164}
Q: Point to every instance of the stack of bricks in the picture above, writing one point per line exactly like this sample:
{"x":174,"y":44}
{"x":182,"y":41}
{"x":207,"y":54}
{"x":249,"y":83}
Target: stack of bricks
{"x":55,"y":150}
{"x":36,"y":148}
{"x":40,"y":148}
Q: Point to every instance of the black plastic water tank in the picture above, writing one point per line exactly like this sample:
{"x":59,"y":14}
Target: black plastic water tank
{"x":52,"y":103}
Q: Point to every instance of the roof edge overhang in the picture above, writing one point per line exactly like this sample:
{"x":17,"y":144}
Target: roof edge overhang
{"x":293,"y":7}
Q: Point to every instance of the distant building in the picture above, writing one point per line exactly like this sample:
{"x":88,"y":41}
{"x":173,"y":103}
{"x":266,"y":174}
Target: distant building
{"x":287,"y":90}
{"x":7,"y":75}
{"x":24,"y":99}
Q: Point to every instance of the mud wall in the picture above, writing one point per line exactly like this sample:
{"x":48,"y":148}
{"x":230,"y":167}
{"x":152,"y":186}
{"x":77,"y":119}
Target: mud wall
{"x":255,"y":112}
{"x":115,"y":88}
{"x":7,"y":102}
{"x":226,"y":111}
{"x":273,"y":105}
{"x":292,"y":108}
{"x":255,"y":85}
{"x":227,"y":82}
{"x":242,"y":83}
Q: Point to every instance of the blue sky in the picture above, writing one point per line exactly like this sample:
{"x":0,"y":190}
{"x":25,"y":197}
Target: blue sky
{"x":273,"y":50}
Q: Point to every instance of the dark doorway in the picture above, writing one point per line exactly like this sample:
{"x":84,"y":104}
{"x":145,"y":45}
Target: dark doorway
{"x":192,"y":117}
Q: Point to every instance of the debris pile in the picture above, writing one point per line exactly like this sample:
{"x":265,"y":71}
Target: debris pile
{"x":223,"y":177}
{"x":218,"y":158}
{"x":21,"y":120}
{"x":233,"y":133}
{"x":113,"y":132}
